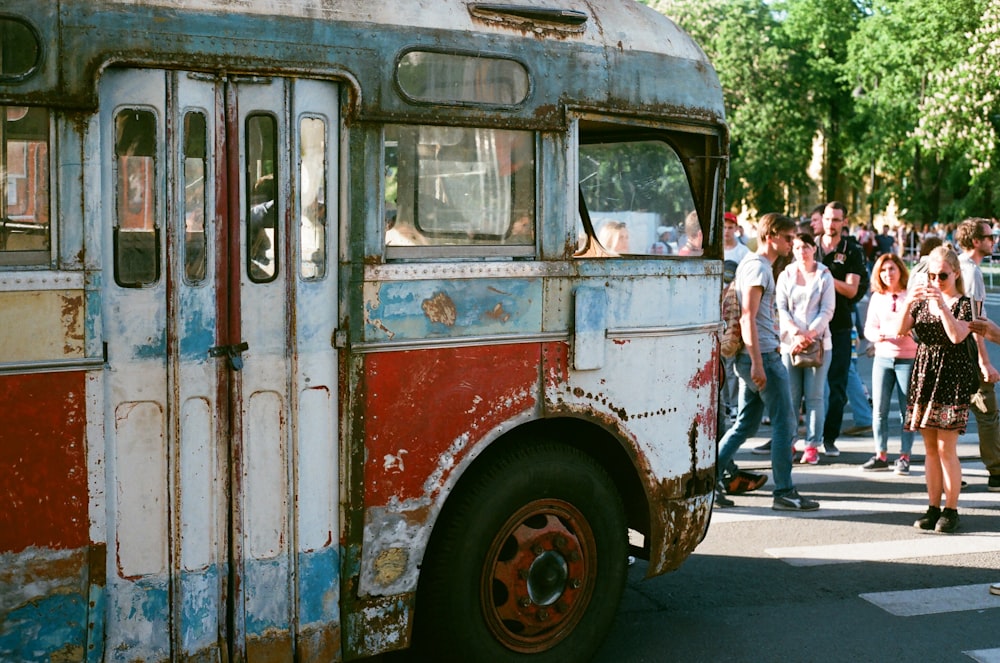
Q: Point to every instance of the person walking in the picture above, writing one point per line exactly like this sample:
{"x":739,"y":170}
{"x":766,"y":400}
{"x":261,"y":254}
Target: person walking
{"x":893,"y":362}
{"x":944,"y":376}
{"x":763,"y":380}
{"x":975,"y":238}
{"x":842,"y":255}
{"x":806,"y":301}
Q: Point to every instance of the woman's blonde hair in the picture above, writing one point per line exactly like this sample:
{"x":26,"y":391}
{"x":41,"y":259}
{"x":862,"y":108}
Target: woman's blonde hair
{"x":946,"y":255}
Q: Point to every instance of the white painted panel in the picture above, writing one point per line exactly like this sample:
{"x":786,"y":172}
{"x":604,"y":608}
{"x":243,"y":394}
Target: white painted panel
{"x":265,"y":480}
{"x":317,"y":490}
{"x":141,"y":468}
{"x":198,"y":472}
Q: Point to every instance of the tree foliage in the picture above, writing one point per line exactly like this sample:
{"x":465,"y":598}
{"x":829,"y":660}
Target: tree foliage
{"x":959,"y":115}
{"x":893,"y":87}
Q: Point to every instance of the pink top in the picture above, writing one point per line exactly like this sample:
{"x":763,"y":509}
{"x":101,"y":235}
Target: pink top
{"x":885,"y":311}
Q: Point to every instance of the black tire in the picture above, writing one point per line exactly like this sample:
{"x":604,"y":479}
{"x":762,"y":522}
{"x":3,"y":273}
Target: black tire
{"x":527,"y":563}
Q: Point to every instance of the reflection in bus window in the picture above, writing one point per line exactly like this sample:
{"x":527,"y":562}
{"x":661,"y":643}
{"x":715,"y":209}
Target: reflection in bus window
{"x":638,"y":196}
{"x":262,"y":216}
{"x":312,"y":201}
{"x":24,"y":192}
{"x":195,"y":241}
{"x":136,"y":234}
{"x":693,"y":237}
{"x":459,"y":186}
{"x":447,"y":77}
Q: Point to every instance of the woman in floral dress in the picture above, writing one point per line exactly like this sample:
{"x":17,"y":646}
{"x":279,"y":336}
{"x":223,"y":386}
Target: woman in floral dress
{"x":944,"y":376}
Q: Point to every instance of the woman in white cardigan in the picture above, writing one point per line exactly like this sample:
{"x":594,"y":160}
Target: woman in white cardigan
{"x":805,"y":300}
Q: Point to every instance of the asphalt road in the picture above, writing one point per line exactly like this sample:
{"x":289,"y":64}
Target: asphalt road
{"x":853,"y":581}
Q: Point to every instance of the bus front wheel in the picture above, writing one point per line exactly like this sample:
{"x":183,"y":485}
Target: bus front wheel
{"x":529,"y":563}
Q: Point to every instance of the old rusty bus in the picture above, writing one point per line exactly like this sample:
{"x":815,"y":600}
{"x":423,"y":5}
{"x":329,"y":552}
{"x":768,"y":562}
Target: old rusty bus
{"x":337,"y":328}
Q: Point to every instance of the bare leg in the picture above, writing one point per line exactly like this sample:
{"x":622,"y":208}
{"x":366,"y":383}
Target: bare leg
{"x":951,"y":466}
{"x":932,"y":466}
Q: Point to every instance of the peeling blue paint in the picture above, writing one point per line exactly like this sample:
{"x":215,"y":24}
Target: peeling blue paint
{"x":201,"y":592}
{"x":319,"y":587}
{"x":198,"y":334}
{"x":95,"y":625}
{"x":481,"y":306}
{"x":42,"y":627}
{"x":266,"y":606}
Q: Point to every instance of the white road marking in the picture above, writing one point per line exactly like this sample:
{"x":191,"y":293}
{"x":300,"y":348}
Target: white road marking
{"x":984,"y":655}
{"x":928,"y":545}
{"x":916,"y":602}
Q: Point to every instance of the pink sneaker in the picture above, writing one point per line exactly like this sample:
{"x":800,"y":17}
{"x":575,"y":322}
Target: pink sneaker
{"x":810,"y":456}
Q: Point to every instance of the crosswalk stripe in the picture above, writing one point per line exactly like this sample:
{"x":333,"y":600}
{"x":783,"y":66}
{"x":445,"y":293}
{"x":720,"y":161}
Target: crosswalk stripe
{"x":984,"y":655}
{"x":928,"y":545}
{"x":934,"y":601}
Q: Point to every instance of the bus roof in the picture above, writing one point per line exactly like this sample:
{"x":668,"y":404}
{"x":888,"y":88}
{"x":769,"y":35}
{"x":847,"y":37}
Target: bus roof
{"x":603,"y":54}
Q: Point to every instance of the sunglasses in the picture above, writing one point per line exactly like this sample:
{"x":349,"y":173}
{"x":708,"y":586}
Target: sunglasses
{"x":940,"y":276}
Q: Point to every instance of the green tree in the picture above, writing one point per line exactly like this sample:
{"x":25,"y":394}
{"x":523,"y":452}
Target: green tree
{"x":897,"y":49}
{"x":760,"y":69}
{"x":960,"y":112}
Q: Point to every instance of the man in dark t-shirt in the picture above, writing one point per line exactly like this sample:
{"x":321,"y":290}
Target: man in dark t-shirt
{"x":842,"y":254}
{"x":884,"y":242}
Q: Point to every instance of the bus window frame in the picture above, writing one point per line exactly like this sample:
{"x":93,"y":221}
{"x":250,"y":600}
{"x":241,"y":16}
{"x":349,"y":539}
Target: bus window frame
{"x":479,"y":251}
{"x":505,"y":56}
{"x":591,"y":129}
{"x":42,"y":258}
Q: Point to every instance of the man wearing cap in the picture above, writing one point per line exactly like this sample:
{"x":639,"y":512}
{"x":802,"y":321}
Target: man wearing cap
{"x":661,"y":247}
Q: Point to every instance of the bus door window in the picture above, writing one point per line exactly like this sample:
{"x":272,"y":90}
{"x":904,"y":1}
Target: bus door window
{"x":312,"y":198}
{"x":195,"y":166}
{"x":25,"y":234}
{"x":136,"y":233}
{"x":459,"y":186}
{"x":638,"y":197}
{"x":261,"y":178}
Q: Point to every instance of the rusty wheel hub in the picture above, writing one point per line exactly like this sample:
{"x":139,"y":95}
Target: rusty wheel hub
{"x":538,"y":577}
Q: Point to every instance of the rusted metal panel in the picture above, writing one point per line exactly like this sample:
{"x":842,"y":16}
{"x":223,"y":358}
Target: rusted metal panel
{"x":412,"y":457}
{"x":43,"y":471}
{"x":44,"y":551}
{"x":411,"y":454}
{"x":42,"y":325}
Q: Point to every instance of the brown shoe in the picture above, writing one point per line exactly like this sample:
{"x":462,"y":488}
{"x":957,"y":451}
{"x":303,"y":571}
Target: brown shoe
{"x":744,"y":482}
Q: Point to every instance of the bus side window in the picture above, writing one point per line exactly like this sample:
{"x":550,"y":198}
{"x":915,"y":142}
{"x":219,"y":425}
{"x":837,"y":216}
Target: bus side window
{"x":312,"y":198}
{"x":195,"y":167}
{"x":262,"y":198}
{"x":459,"y":186}
{"x":136,"y":233}
{"x":25,"y":233}
{"x":639,"y":200}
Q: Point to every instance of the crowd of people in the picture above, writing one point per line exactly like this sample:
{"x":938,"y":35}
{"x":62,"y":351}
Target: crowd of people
{"x":811,"y":295}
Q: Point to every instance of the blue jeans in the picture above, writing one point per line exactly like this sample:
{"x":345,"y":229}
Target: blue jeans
{"x":840,"y":364}
{"x":809,"y":383}
{"x":889,"y":372}
{"x":857,"y":399}
{"x":776,"y":397}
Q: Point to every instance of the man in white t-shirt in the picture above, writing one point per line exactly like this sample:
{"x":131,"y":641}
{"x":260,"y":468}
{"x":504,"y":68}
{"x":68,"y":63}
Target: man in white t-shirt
{"x":735,"y":250}
{"x":975,"y":238}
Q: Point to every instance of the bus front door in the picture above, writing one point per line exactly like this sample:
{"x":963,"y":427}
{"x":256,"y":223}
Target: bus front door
{"x":219,"y":304}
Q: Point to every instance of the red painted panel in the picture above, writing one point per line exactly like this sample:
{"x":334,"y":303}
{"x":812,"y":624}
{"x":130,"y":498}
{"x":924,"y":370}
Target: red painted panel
{"x":43,"y":462}
{"x":426,"y":408}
